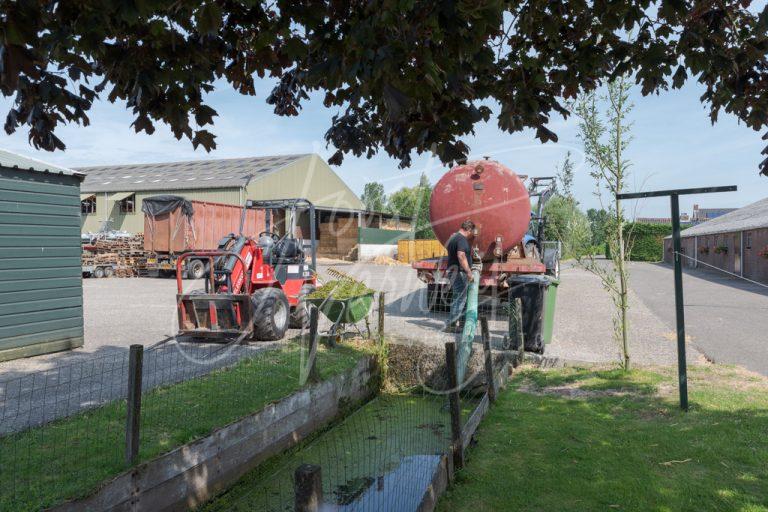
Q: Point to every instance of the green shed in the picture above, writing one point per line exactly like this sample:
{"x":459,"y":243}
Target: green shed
{"x":41,"y":291}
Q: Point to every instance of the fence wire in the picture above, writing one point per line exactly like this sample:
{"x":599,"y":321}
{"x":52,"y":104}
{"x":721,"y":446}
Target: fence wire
{"x":382,"y":457}
{"x":62,"y":430}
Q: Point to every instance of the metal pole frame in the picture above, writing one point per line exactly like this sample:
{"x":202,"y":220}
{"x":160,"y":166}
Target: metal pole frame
{"x":682,"y":369}
{"x":674,"y":197}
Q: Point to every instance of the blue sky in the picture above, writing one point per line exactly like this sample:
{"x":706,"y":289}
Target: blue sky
{"x":674,"y":146}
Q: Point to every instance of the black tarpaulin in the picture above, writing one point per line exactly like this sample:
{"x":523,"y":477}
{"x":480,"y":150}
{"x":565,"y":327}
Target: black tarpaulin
{"x":158,"y":205}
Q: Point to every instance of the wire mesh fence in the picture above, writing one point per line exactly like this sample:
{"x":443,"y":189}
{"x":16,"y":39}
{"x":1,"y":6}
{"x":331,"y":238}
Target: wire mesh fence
{"x":381,"y":457}
{"x":63,"y":430}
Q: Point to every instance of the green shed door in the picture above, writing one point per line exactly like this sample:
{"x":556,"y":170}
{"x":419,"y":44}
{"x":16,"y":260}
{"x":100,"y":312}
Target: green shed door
{"x":41,"y":292}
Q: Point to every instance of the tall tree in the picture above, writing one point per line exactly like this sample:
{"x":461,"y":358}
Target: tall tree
{"x":568,"y":224}
{"x":373,"y":197}
{"x":598,"y":223}
{"x":605,"y":140}
{"x":413,"y":202}
{"x":565,"y":178}
{"x":403,"y":77}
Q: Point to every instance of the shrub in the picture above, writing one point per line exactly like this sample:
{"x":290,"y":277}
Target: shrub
{"x":646,"y":241}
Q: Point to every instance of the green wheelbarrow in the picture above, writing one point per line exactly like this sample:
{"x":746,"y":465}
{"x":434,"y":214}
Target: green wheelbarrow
{"x":343,"y":312}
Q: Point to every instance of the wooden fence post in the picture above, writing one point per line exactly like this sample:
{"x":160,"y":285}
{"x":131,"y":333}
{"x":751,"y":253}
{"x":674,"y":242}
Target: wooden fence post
{"x":312,"y":374}
{"x":133,"y":404}
{"x":381,"y":317}
{"x":454,"y":404}
{"x":486,"y":337}
{"x":516,"y":328}
{"x":307,"y":488}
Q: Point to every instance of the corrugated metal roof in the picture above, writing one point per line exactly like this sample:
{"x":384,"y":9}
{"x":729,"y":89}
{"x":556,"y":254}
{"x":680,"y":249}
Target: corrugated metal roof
{"x":752,"y":216}
{"x":15,"y":161}
{"x":222,"y":173}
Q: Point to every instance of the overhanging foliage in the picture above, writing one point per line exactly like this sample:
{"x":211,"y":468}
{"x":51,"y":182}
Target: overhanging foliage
{"x":403,"y":75}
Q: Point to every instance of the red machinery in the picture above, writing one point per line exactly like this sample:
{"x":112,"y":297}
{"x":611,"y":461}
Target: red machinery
{"x":255,"y":287}
{"x":496,"y":200}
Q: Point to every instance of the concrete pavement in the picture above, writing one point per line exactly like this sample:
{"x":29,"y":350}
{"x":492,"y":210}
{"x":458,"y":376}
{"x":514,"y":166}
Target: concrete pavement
{"x":726,"y":318}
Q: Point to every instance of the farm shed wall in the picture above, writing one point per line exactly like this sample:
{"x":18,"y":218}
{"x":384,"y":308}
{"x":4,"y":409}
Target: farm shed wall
{"x":756,"y":255}
{"x":41,"y":296}
{"x":740,"y":252}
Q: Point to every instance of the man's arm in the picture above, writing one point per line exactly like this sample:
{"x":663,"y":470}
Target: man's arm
{"x":465,"y":264}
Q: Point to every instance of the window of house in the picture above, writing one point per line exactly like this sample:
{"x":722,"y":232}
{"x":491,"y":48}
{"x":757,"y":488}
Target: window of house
{"x":128,"y":205}
{"x":88,"y":205}
{"x":748,"y":240}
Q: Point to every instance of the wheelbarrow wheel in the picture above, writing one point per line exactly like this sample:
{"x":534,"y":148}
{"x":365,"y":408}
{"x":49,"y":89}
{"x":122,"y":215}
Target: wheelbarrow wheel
{"x":300,"y":313}
{"x":270,"y":314}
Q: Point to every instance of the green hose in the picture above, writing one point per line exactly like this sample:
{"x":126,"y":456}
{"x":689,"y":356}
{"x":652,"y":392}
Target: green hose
{"x":470,"y":327}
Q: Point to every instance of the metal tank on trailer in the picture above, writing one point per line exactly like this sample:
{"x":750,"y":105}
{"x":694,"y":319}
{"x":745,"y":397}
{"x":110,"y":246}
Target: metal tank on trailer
{"x":496,"y":199}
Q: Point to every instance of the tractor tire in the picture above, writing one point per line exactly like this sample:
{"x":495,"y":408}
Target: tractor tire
{"x":196,"y":269}
{"x":98,"y":272}
{"x":270,"y":314}
{"x":109,"y":271}
{"x":300,"y":312}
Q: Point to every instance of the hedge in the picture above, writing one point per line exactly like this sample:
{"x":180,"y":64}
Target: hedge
{"x":646,"y":241}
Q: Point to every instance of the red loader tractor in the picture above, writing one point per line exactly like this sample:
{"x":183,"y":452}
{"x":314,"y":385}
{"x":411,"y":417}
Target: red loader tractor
{"x":254,"y":288}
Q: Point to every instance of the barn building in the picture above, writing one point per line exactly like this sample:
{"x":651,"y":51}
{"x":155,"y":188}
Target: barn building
{"x":112,"y":195}
{"x":736,"y":242}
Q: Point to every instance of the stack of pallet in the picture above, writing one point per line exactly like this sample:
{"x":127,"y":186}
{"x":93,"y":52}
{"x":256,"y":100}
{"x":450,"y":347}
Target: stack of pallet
{"x":338,"y":239}
{"x":126,"y":254}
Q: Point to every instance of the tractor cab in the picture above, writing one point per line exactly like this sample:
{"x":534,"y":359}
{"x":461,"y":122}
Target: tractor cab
{"x":255,"y":286}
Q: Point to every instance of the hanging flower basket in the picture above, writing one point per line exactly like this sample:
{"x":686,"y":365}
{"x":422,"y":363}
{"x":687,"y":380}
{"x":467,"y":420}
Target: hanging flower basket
{"x":721,"y":249}
{"x":704,"y":250}
{"x":764,"y":252}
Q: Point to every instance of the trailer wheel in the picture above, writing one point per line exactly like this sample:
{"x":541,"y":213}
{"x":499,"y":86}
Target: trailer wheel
{"x":98,"y":272}
{"x":196,"y":269}
{"x":270,"y":314}
{"x":109,"y":271}
{"x":300,"y":312}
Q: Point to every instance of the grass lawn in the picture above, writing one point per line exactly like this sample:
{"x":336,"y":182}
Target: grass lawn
{"x":572,"y":439}
{"x":69,"y":458}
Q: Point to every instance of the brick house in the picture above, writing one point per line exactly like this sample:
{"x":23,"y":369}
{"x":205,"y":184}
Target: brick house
{"x":736,"y":242}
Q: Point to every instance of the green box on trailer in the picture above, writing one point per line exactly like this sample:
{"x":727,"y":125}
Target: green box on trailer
{"x":41,"y":291}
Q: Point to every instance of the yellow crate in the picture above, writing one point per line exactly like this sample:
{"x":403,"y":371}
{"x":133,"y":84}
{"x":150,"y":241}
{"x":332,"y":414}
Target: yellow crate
{"x":409,"y":251}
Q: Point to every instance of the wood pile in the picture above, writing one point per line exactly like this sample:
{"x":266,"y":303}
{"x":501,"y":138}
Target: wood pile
{"x":126,"y":254}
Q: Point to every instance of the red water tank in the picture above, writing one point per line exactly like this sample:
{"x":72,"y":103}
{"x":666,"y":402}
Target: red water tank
{"x":490,"y":195}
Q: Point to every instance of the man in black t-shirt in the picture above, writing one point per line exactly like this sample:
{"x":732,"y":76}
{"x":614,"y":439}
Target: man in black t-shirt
{"x":459,"y":272}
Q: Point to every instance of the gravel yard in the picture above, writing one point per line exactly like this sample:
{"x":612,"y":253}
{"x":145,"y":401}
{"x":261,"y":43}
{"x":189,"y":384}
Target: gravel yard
{"x":121,"y":312}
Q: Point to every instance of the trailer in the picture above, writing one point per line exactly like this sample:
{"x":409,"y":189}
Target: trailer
{"x":175,"y":226}
{"x":509,"y":256}
{"x":99,"y":271}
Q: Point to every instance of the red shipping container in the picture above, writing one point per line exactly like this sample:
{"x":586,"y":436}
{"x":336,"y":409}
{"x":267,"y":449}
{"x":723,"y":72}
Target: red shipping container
{"x":174,"y":233}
